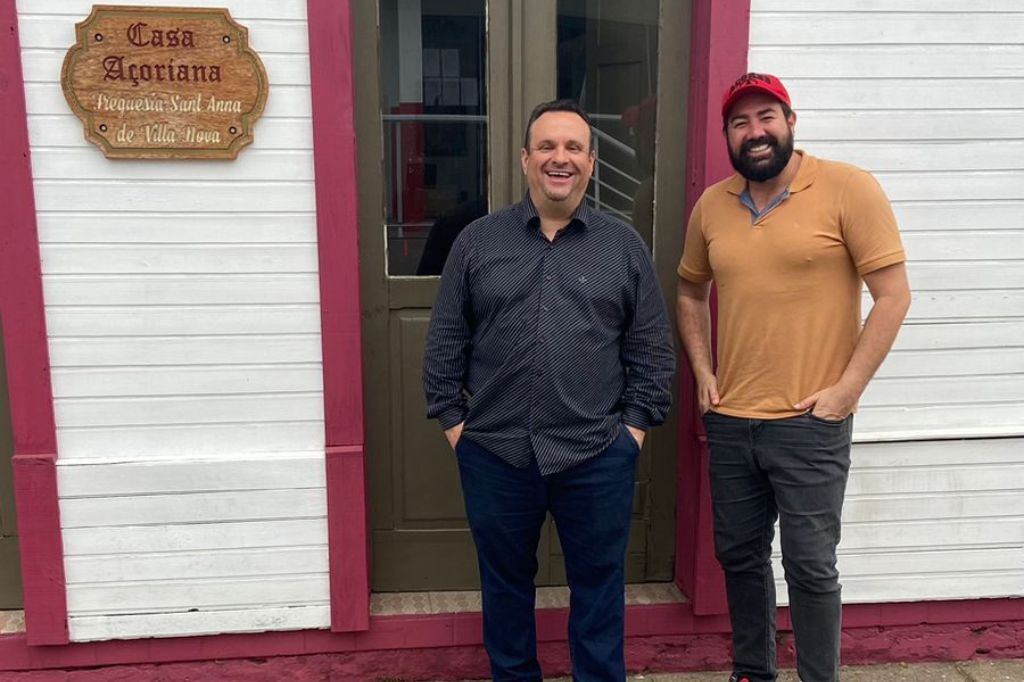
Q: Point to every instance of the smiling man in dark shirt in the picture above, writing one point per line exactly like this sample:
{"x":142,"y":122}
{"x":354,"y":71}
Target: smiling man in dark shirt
{"x":549,"y":357}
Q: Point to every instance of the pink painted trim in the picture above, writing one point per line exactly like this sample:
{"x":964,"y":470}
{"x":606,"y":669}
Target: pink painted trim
{"x":347,"y":535}
{"x":392,"y":634}
{"x":718,"y":55}
{"x":330,"y":55}
{"x":27,"y":353}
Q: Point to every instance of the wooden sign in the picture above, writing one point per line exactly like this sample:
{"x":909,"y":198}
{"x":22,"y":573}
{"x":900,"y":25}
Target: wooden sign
{"x":164,"y":82}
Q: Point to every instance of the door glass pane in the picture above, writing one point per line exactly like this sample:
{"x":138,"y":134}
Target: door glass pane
{"x":608,"y":61}
{"x":434,"y":121}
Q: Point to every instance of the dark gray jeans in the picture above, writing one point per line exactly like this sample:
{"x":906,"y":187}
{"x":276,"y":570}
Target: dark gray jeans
{"x":795,"y":470}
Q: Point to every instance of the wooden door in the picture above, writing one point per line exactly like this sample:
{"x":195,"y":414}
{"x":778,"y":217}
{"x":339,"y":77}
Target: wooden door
{"x":443,"y":85}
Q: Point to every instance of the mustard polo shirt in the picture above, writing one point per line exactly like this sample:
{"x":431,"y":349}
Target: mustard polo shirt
{"x":789,"y":284}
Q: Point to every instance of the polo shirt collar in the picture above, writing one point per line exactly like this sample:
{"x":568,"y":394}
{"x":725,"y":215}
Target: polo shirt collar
{"x":805,"y":176}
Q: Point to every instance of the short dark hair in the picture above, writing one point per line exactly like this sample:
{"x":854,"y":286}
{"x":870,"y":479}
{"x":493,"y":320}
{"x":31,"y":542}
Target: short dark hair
{"x":570,"y":105}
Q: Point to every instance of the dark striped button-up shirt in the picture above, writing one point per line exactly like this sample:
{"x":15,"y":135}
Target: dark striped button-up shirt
{"x":545,"y":348}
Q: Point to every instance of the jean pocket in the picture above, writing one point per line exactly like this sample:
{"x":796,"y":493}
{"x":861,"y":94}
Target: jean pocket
{"x":822,"y":420}
{"x":632,"y":439}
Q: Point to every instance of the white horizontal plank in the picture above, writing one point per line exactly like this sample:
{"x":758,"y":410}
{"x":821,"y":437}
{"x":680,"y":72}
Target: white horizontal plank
{"x":927,"y":562}
{"x":101,"y":628}
{"x":899,"y":392}
{"x":974,"y":452}
{"x":914,"y":588}
{"x":939,"y":506}
{"x":183,"y":410}
{"x":888,"y":61}
{"x":968,"y":274}
{"x":255,"y":164}
{"x":236,"y":563}
{"x":249,"y":473}
{"x":192,"y":381}
{"x":942,"y":305}
{"x":884,"y":6}
{"x":960,"y":185}
{"x":265,"y":35}
{"x":203,"y":350}
{"x":946,"y":479}
{"x":864,"y":28}
{"x":993,"y":245}
{"x":181,"y":320}
{"x":905,"y":93}
{"x":952,"y":363}
{"x":170,"y":259}
{"x":283,"y":101}
{"x":951,"y":216}
{"x":176,"y":228}
{"x":194,"y":537}
{"x":942,"y":421}
{"x":148,"y":597}
{"x":44,"y":66}
{"x":903,"y":126}
{"x":181,"y":290}
{"x":932,"y":533}
{"x":250,"y":505}
{"x":241,"y":10}
{"x":959,"y":155}
{"x":64,"y":130}
{"x":186,"y":197}
{"x":985,"y":334}
{"x":151,"y":442}
{"x":967,"y":585}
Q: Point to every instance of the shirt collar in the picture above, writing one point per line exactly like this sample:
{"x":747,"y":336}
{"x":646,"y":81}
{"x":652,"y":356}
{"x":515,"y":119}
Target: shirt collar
{"x":805,"y":176}
{"x":583,"y":215}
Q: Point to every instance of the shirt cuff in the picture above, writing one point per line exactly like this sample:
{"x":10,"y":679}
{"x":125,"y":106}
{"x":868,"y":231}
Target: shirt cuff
{"x":453,"y":416}
{"x":635,"y":417}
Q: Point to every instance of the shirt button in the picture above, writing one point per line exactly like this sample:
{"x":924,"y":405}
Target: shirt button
{"x":547,"y":278}
{"x":540,"y":338}
{"x":544,"y":308}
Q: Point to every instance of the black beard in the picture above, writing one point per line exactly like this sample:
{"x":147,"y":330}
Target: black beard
{"x":760,"y":171}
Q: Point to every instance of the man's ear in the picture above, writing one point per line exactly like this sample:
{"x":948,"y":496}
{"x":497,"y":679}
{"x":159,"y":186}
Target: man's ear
{"x":523,"y":155}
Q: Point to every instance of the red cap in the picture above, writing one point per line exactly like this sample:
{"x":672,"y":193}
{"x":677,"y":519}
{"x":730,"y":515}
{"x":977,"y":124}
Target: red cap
{"x":754,"y":82}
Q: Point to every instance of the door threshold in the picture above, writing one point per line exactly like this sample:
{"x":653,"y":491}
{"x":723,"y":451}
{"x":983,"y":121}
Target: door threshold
{"x":468,"y":601}
{"x":12,"y":622}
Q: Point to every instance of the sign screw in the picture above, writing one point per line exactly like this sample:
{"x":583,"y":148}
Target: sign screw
{"x":103,"y":127}
{"x":226,"y":39}
{"x":233,"y":130}
{"x":99,"y":37}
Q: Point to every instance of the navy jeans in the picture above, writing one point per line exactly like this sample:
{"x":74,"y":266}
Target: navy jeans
{"x":591,"y":504}
{"x":795,"y":470}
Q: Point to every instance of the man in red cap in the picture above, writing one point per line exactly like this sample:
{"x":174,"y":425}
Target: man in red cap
{"x":789,"y":240}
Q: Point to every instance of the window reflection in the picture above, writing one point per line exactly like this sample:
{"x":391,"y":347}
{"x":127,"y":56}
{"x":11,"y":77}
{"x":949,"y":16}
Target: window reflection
{"x":434,"y":120}
{"x":608,"y":61}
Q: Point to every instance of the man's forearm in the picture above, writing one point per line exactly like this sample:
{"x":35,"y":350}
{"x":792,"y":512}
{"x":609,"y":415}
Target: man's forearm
{"x":875,"y":341}
{"x":693,"y":317}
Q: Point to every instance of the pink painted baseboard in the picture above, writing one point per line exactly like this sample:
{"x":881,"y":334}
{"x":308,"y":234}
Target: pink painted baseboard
{"x":927,"y":631}
{"x":348,"y":539}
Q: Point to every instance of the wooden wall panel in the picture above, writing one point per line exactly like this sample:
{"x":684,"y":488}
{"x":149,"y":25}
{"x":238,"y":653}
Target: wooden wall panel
{"x":928,"y":94}
{"x":183,"y":304}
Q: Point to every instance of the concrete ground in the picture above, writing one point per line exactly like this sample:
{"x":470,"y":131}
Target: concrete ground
{"x":974,"y":671}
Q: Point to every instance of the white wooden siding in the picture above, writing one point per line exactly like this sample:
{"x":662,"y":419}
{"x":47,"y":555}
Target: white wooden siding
{"x":182,"y":307}
{"x":929,"y":96}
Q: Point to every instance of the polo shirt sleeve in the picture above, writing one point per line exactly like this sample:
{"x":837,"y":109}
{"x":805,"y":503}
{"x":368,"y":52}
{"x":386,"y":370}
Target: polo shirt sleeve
{"x":694,"y":264}
{"x":869,"y":225}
